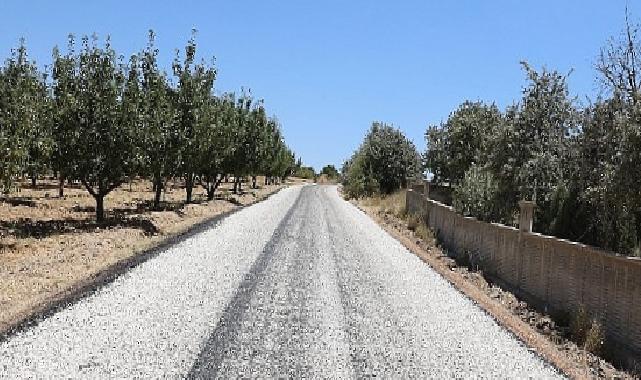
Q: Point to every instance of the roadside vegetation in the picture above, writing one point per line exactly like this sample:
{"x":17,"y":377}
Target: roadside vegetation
{"x":95,"y":119}
{"x":304,"y":172}
{"x":578,"y":162}
{"x":330,"y":172}
{"x":385,"y":162}
{"x":573,"y":342}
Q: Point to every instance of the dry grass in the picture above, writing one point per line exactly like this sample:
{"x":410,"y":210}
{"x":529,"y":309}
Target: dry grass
{"x":47,"y":243}
{"x":587,"y":332}
{"x":393,"y":204}
{"x":594,"y":338}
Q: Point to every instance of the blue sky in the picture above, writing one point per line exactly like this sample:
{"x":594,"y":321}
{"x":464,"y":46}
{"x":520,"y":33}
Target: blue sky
{"x":327,"y":69}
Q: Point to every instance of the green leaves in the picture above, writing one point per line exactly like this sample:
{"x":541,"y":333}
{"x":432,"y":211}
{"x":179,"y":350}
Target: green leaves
{"x":464,"y":139}
{"x":385,"y":162}
{"x":24,"y":118}
{"x":102,"y":121}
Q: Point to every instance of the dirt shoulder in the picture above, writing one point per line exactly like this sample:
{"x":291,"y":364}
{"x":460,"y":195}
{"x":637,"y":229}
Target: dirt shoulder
{"x":51,"y":249}
{"x":536,"y":330}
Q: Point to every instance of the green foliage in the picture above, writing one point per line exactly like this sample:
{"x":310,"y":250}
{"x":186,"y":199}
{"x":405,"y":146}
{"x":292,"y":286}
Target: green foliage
{"x":101,"y":122}
{"x":305,"y":172}
{"x":464,"y":139}
{"x":193,"y":99}
{"x":477,"y":195}
{"x":100,"y":104}
{"x":358,"y":178}
{"x":159,"y":136}
{"x":386,"y":161}
{"x":25,"y":135}
{"x":581,"y":167}
{"x":330,"y":171}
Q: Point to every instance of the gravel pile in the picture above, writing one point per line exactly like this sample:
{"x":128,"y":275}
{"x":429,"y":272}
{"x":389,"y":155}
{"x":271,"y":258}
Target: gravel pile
{"x":302,"y":285}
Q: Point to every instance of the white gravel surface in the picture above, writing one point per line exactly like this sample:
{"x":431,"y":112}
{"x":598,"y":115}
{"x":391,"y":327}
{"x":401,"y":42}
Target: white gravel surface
{"x":301,"y":285}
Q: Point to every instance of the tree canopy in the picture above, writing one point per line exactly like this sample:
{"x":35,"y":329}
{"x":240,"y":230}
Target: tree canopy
{"x":103,"y":120}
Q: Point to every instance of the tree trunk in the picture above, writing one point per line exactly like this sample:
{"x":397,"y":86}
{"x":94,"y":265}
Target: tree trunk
{"x":189,"y":186}
{"x":254,"y":182}
{"x":158,"y":191}
{"x":61,"y":186}
{"x":100,"y":207}
{"x":33,"y":180}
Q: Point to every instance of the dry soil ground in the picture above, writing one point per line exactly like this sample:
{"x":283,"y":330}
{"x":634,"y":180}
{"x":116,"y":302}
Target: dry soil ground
{"x":48,"y":244}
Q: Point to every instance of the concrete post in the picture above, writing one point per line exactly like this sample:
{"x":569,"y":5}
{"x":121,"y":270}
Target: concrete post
{"x":526,"y":216}
{"x":426,"y":188}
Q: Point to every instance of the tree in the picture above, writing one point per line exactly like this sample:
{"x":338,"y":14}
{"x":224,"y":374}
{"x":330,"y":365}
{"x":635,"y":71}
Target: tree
{"x":462,"y":141}
{"x":193,"y":96}
{"x":213,"y":145}
{"x":619,"y":64}
{"x":385,"y":162}
{"x":66,"y":92}
{"x":329,"y":171}
{"x":437,"y":155}
{"x":96,"y":94}
{"x":159,"y":134}
{"x":24,"y":118}
{"x":528,"y":155}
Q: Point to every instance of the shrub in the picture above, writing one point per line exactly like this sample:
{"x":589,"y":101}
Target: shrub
{"x":394,"y":204}
{"x":477,"y":195}
{"x":579,"y":325}
{"x":358,"y":180}
{"x":384,"y":163}
{"x":425,"y":233}
{"x":594,"y":338}
{"x":413,"y":221}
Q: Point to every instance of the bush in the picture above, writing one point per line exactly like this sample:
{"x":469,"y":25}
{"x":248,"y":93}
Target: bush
{"x":425,"y":233}
{"x":594,"y":338}
{"x":477,"y":195}
{"x":413,"y":221}
{"x":305,"y":172}
{"x":358,"y":181}
{"x":579,"y":325}
{"x":384,"y":163}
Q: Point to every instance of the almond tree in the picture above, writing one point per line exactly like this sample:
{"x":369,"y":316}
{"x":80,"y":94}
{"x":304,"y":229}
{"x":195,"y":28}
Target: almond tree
{"x":160,"y":138}
{"x":193,"y":96}
{"x":102,"y":140}
{"x":24,"y":118}
{"x":64,"y":112}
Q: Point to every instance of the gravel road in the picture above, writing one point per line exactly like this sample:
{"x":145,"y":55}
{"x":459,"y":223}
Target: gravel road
{"x":300,"y":285}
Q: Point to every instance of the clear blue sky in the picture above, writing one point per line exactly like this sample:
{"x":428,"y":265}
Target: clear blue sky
{"x":327,"y":69}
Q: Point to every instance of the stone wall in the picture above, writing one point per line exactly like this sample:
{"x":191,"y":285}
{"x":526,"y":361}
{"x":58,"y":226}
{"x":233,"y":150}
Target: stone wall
{"x":554,"y":274}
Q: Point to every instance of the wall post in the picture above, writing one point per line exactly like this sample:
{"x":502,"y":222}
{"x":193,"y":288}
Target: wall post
{"x":526,"y":215}
{"x":426,"y":188}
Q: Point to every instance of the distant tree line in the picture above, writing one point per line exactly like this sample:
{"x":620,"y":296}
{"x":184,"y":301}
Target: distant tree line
{"x":580,"y":164}
{"x":385,"y":161}
{"x":302,"y":171}
{"x":330,"y":172}
{"x":95,"y":118}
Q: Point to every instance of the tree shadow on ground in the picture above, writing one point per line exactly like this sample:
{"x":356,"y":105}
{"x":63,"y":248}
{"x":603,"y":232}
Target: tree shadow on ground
{"x":29,"y":228}
{"x":19,"y":201}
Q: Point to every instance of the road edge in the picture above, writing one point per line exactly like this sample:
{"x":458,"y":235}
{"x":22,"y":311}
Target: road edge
{"x":531,"y":338}
{"x":89,"y":285}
